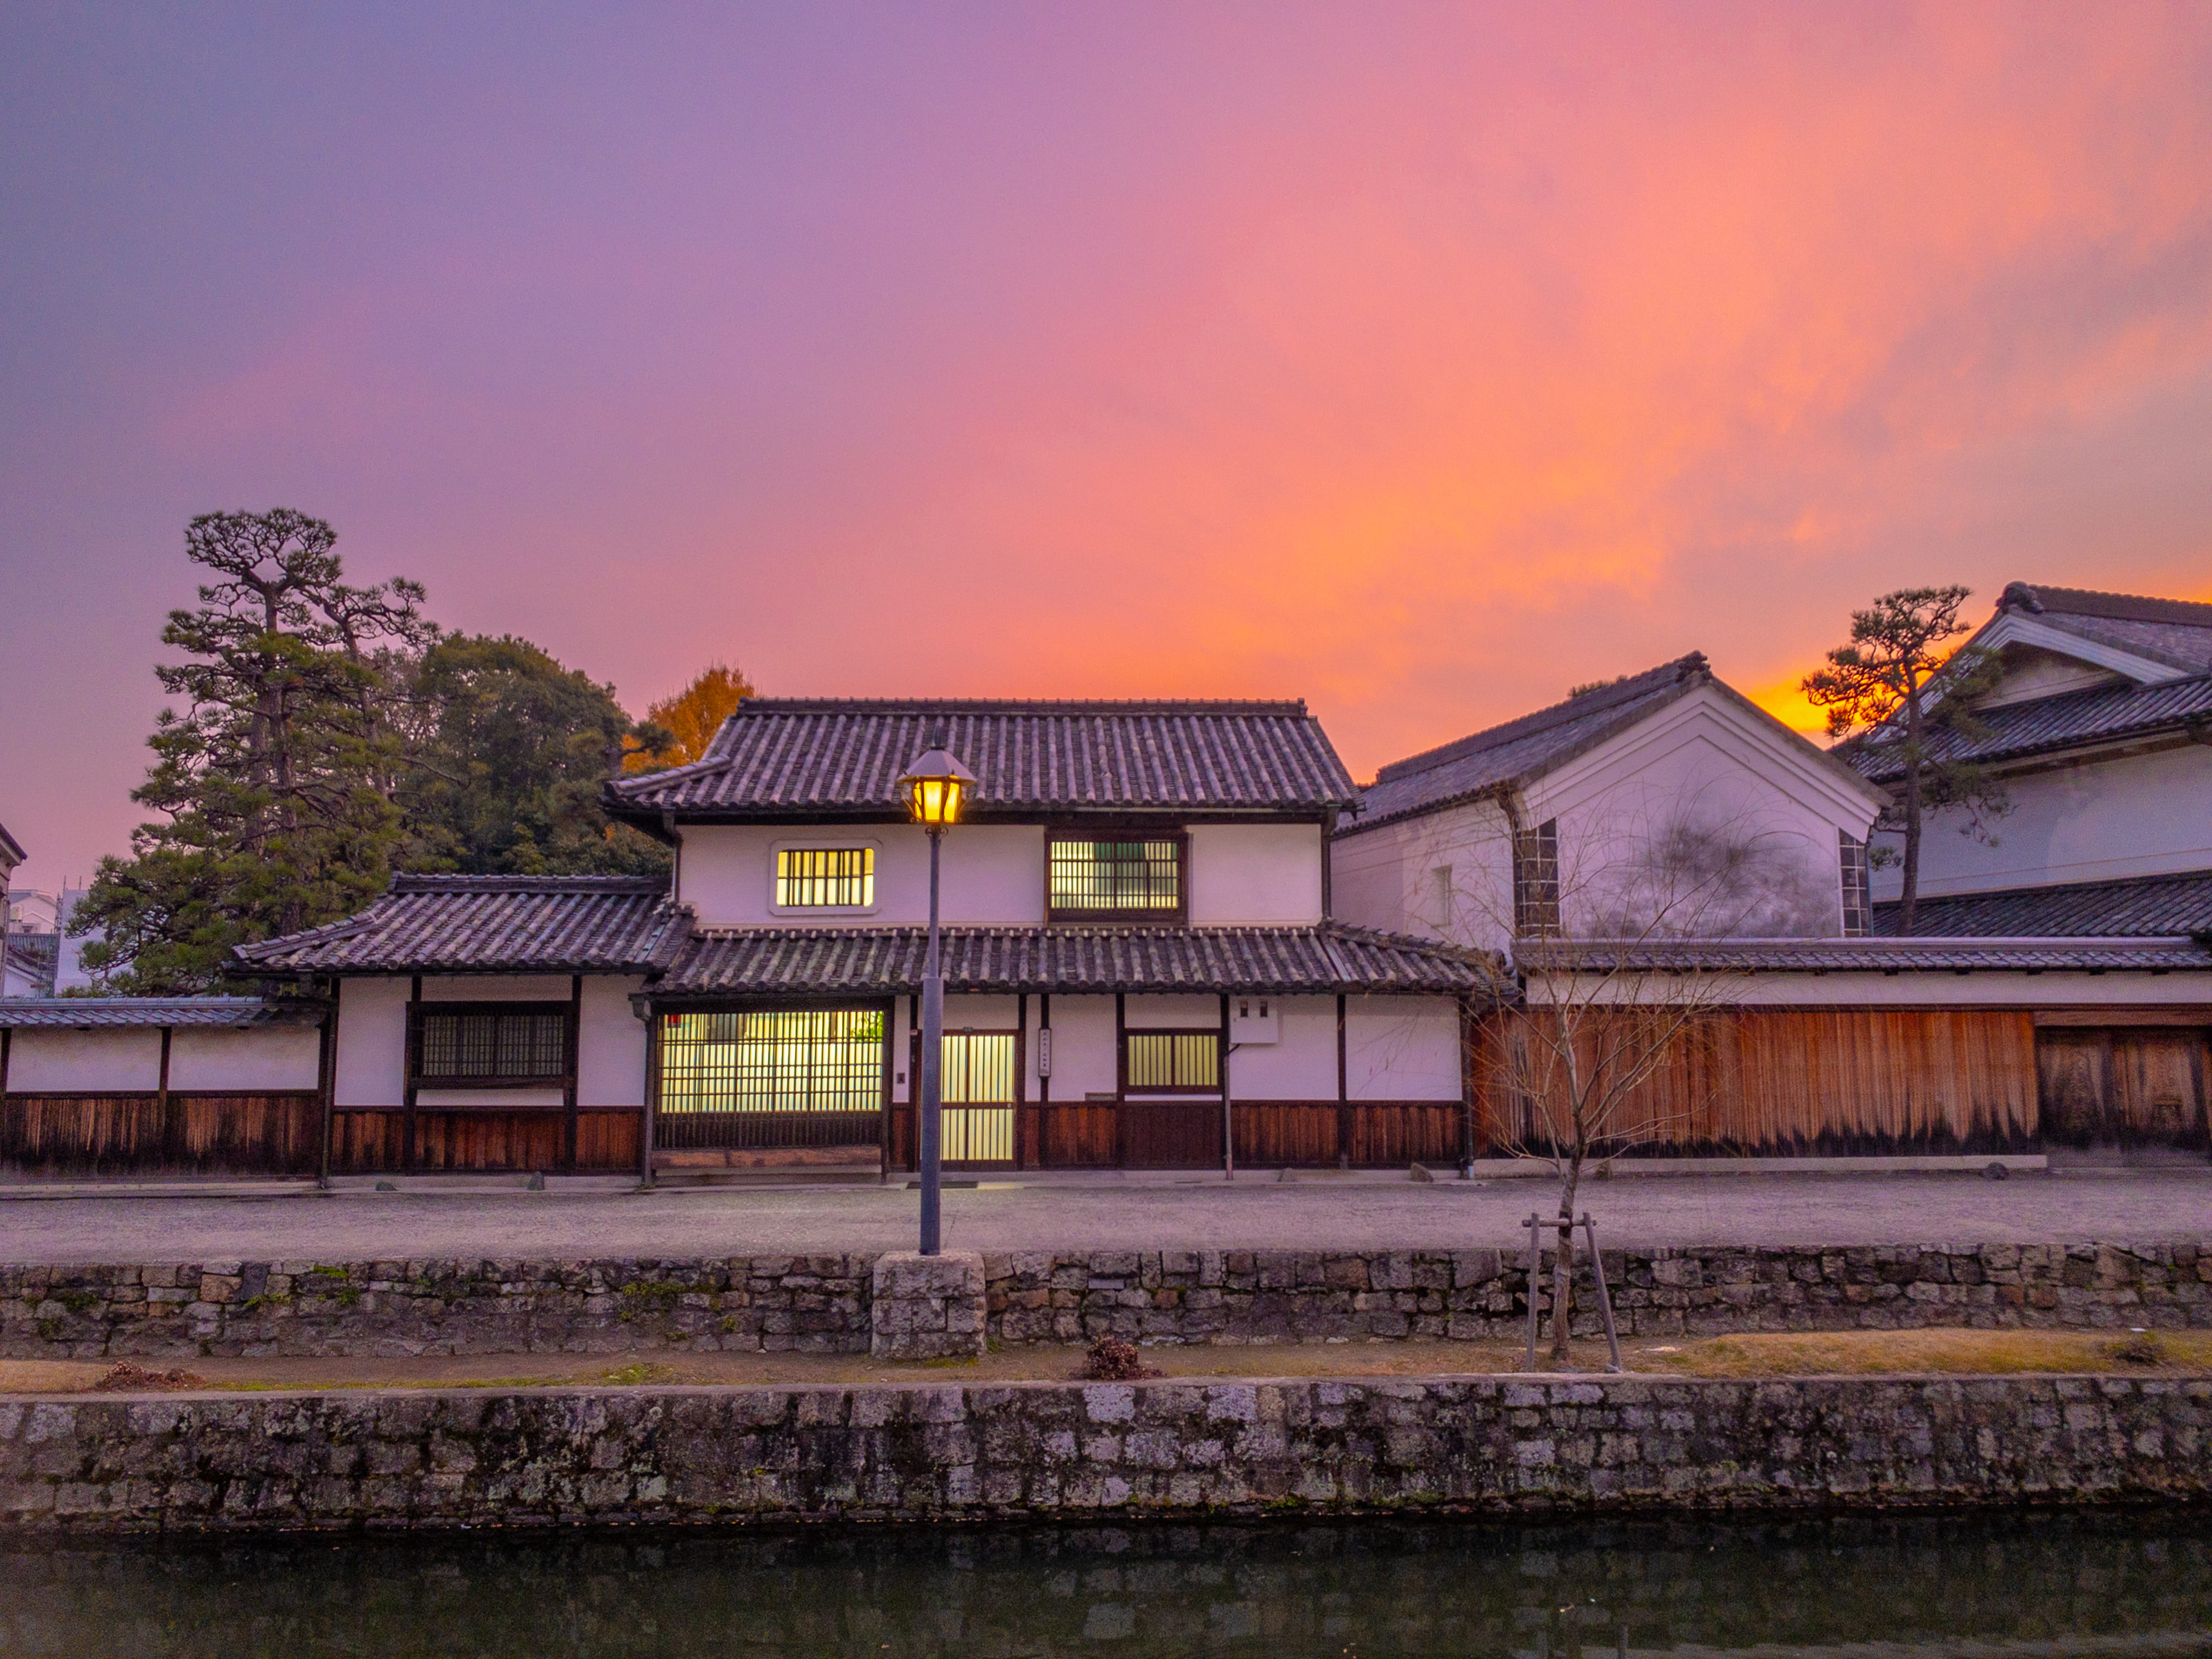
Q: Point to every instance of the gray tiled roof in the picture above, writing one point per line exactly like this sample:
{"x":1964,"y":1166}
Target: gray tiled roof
{"x":881,"y":961}
{"x":11,"y":850}
{"x":1526,"y":748}
{"x":2140,"y":907}
{"x":784,"y":758}
{"x":2178,"y":632}
{"x":2103,"y":713}
{"x":115,"y":1013}
{"x":489,"y":924}
{"x":1915,"y":955}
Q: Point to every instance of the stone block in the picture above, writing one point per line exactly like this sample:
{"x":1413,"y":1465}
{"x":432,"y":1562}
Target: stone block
{"x":927,"y":1307}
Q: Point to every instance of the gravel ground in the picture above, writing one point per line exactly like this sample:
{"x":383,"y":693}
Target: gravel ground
{"x":1155,"y":1213}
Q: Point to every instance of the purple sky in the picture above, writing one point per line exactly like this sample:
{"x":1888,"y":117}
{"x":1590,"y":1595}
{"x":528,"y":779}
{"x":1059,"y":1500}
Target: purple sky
{"x":1420,"y":362}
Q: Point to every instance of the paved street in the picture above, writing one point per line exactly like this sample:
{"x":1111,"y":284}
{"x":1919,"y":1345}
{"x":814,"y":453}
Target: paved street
{"x":1151,"y":1214}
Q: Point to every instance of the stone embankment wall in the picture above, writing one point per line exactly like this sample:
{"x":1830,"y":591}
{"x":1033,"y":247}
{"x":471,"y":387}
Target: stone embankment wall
{"x":825,"y":1304}
{"x":1064,"y":1450}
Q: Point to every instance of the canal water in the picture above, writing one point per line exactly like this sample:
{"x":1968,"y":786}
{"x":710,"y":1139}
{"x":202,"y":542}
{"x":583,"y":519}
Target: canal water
{"x":2097,"y":1586}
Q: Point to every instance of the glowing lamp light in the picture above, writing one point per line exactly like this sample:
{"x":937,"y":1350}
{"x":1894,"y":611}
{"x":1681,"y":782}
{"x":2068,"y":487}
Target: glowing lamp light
{"x":936,"y":788}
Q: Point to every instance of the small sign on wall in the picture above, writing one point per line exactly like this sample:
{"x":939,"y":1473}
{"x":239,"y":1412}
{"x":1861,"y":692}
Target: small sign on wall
{"x":1044,"y":1051}
{"x":1253,"y":1019}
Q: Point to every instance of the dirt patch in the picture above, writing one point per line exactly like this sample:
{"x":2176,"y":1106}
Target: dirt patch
{"x":124,"y":1377}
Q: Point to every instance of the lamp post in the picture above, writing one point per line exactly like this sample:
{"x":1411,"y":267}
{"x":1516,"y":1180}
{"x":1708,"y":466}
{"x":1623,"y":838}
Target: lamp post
{"x":936,"y":786}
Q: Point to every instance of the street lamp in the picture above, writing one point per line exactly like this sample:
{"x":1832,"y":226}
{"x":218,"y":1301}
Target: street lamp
{"x":936,"y":788}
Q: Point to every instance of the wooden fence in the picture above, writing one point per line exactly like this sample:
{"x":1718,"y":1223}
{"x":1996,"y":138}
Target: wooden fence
{"x":183,"y":1132}
{"x":1776,"y":1082}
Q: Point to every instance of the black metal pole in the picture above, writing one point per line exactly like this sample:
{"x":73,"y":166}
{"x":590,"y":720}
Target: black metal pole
{"x":932,"y":1055}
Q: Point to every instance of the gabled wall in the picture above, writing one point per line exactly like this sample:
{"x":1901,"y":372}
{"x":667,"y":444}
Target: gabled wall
{"x":1703,"y":772}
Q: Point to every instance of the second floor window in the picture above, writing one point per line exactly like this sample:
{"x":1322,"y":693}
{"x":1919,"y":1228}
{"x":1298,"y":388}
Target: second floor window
{"x":1536,"y":880}
{"x":1858,"y":904}
{"x":1119,"y":880}
{"x":836,"y":877}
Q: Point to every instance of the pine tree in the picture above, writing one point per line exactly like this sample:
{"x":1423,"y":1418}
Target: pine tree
{"x":273,"y":778}
{"x":1894,"y":685}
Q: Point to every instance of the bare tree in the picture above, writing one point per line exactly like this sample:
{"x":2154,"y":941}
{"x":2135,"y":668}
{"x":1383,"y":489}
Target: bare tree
{"x":1610,"y":996}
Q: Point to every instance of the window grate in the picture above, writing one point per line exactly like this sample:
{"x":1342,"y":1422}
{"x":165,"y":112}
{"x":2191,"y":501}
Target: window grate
{"x":1170,"y":1063}
{"x":1858,"y":904}
{"x":1116,"y":877}
{"x":1536,"y":880}
{"x":474,"y":1045}
{"x":832,"y":877}
{"x":800,"y":1061}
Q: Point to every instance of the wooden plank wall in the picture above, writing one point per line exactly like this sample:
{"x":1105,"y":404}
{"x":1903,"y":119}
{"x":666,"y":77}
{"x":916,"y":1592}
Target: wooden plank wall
{"x":483,"y":1142}
{"x":1829,"y":1082}
{"x":195,"y":1133}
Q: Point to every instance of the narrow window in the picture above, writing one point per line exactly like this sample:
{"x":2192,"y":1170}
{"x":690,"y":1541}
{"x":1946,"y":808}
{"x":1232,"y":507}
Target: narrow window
{"x":834,"y":877}
{"x":491,"y":1047}
{"x":1858,"y":907}
{"x":1441,"y":880}
{"x":1131,"y":881}
{"x":1174,"y":1062}
{"x":1536,"y":880}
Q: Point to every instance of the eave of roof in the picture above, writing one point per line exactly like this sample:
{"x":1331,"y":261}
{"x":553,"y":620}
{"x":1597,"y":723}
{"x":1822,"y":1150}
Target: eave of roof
{"x":115,"y":1013}
{"x":1884,"y":956}
{"x":889,"y":961}
{"x":2168,"y":906}
{"x":11,"y":850}
{"x":488,"y":925}
{"x":1517,"y":751}
{"x":793,"y":759}
{"x":2099,"y":716}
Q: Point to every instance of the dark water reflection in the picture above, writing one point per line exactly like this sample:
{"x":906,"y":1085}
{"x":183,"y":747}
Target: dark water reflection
{"x":2089,"y":1585}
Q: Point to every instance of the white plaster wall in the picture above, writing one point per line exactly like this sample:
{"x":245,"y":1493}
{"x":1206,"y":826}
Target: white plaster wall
{"x":1200,"y":1011}
{"x":1084,"y":1060}
{"x":549,"y":1099}
{"x":1445,"y":875}
{"x":59,"y":1062}
{"x":2116,"y":991}
{"x":1255,"y":874}
{"x":1300,"y":1066}
{"x":494,"y":987}
{"x":609,"y":1044}
{"x":2148,"y":815}
{"x":1401,"y":1049}
{"x":372,"y":1058}
{"x":990,"y":874}
{"x":247,"y":1062}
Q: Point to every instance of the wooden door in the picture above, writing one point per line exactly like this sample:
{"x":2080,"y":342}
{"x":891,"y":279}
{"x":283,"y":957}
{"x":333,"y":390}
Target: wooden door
{"x":976,"y":1123}
{"x":2158,"y":1088}
{"x":2074,"y":1070}
{"x":1181,"y":1134}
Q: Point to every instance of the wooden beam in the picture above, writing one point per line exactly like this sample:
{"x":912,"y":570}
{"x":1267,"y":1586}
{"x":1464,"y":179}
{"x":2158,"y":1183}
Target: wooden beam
{"x":572,"y":1059}
{"x":326,"y":1084}
{"x":413,"y":1061}
{"x":1343,"y":1089}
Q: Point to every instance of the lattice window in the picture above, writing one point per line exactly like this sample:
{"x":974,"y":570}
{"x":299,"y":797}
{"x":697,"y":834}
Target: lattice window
{"x":494,"y":1046}
{"x":1858,"y":902}
{"x":1536,"y":880}
{"x":1127,"y":880}
{"x":784,"y":1060}
{"x":841,"y":878}
{"x":1174,"y":1062}
{"x":978,"y":1069}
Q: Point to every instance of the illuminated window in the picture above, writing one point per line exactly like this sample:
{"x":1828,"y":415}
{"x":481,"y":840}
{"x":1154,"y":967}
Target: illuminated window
{"x":489,"y":1047}
{"x":977,"y":1092}
{"x":1536,"y":880}
{"x":1858,"y":906}
{"x":794,"y":1060}
{"x":840,"y":878}
{"x":1117,"y":880}
{"x":1173,"y":1062}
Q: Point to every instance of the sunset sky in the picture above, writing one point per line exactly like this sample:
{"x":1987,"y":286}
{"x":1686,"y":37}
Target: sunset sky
{"x":1418,"y":360}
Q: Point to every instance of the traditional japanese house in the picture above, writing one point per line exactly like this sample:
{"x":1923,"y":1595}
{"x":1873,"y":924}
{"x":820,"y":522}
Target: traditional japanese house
{"x":1142,"y":967}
